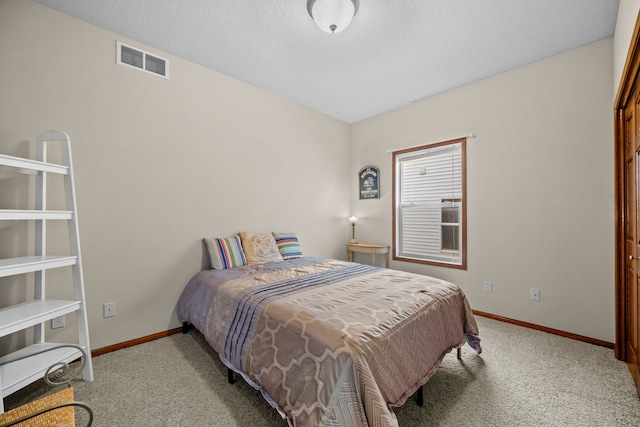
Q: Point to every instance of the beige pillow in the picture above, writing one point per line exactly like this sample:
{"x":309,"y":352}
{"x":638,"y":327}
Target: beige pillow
{"x":259,"y":247}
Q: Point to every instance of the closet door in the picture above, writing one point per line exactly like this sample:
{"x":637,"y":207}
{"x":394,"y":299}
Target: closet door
{"x":627,"y":198}
{"x":632,"y":233}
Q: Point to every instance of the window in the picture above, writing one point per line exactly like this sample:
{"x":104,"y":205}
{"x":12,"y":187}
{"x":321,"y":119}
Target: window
{"x":429,"y":221}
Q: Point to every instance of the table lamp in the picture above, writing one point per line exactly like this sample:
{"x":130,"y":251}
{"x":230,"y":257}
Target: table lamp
{"x":353,"y":220}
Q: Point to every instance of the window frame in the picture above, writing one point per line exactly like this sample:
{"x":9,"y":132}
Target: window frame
{"x":396,"y":241}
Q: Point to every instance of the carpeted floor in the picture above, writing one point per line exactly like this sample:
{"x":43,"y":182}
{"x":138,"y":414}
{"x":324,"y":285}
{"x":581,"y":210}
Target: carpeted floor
{"x":523,"y":378}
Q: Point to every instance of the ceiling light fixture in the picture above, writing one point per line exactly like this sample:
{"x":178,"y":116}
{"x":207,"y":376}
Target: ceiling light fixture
{"x":332,"y":16}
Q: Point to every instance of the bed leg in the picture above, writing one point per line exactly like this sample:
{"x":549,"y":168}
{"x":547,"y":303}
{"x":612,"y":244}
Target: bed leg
{"x":229,"y":376}
{"x":420,"y":397}
{"x":186,"y":326}
{"x":459,"y":353}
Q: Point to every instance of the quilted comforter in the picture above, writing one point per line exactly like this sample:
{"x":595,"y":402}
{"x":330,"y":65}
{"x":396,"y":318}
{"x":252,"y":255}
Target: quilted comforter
{"x":328,"y":342}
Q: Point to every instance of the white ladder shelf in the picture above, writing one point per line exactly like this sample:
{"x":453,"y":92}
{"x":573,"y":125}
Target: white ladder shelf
{"x":22,"y":367}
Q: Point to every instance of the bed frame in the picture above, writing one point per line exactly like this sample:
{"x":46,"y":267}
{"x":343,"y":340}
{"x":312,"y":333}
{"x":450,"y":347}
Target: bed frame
{"x":186,"y":326}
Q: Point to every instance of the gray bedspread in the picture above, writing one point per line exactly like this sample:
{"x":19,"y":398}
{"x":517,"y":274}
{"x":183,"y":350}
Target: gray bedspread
{"x":329,"y":342}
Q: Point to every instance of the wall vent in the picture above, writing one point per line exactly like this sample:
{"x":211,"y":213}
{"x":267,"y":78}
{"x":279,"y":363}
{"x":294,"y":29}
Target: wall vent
{"x":141,"y":60}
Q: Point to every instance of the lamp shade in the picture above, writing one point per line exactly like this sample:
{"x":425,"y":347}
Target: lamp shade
{"x":353,"y":219}
{"x":332,"y":16}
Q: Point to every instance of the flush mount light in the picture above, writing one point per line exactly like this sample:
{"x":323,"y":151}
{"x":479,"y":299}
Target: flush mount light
{"x":332,"y":16}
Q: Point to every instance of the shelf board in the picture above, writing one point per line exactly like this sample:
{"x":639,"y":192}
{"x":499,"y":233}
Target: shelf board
{"x":17,"y":374}
{"x":16,"y":214}
{"x":34,"y":165}
{"x":27,"y":264}
{"x":21,"y":316}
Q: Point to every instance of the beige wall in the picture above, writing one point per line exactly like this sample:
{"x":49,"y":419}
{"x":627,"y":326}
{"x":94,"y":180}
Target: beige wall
{"x":159,"y":164}
{"x":539,"y":182}
{"x":162,"y":163}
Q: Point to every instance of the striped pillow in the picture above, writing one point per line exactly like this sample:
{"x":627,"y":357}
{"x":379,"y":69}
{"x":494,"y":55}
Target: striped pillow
{"x":288,"y":245}
{"x":225,"y":252}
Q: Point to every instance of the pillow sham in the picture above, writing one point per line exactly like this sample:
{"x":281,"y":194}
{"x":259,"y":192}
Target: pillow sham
{"x":288,"y":245}
{"x":259,"y":247}
{"x":225,"y":252}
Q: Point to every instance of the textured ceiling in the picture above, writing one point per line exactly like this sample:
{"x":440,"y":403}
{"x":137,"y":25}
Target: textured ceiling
{"x":395,"y":51}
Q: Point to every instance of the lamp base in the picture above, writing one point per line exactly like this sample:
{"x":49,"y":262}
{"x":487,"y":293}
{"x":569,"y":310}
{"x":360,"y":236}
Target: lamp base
{"x":352,"y":241}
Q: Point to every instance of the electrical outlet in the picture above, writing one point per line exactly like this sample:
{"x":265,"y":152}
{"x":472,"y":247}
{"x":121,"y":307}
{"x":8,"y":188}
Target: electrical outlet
{"x":109,"y":309}
{"x":57,"y":322}
{"x":534,"y":294}
{"x":488,"y":286}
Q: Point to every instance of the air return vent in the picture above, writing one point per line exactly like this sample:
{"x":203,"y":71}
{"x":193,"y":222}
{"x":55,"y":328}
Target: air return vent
{"x":141,"y":60}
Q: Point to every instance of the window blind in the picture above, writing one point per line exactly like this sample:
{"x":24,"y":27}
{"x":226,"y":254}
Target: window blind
{"x":428,"y":180}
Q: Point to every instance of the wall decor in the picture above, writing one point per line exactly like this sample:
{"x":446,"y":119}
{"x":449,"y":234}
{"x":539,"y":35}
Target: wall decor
{"x":369,"y":179}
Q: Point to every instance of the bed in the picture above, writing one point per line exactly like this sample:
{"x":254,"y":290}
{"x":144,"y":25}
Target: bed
{"x":329,"y":342}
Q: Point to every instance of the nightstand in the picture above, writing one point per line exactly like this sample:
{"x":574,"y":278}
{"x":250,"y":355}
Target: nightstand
{"x":369,"y":248}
